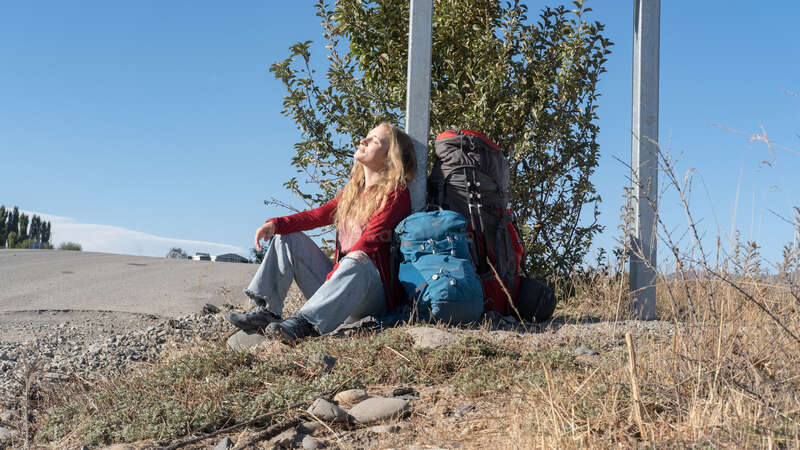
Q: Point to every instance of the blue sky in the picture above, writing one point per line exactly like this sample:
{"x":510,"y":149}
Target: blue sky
{"x":162,"y":117}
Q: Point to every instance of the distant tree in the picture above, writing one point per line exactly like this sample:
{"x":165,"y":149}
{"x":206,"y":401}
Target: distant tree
{"x":3,"y":232}
{"x":46,"y":234}
{"x":23,"y":226}
{"x":35,"y":228}
{"x":177,"y":253}
{"x":12,"y":239}
{"x":13,"y":222}
{"x":70,"y":246}
{"x":256,"y":256}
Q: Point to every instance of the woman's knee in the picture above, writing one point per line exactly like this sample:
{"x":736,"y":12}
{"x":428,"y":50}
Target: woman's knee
{"x":359,"y":256}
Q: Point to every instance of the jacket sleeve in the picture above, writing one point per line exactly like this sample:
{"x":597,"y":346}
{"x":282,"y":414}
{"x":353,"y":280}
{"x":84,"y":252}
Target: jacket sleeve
{"x":380,"y":227}
{"x":306,"y":220}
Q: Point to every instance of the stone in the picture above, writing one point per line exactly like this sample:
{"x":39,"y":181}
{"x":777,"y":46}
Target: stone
{"x":377,"y":409}
{"x":224,"y":444}
{"x":208,"y":308}
{"x":243,"y":340}
{"x":426,"y":337}
{"x":326,"y":410}
{"x":119,"y":447}
{"x":309,"y":443}
{"x":396,"y":392}
{"x":322,"y":361}
{"x":309,"y":427}
{"x":463,"y":410}
{"x":384,"y":429}
{"x":584,"y":351}
{"x":6,"y":415}
{"x":287,"y":439}
{"x":351,"y":396}
{"x":5,"y":433}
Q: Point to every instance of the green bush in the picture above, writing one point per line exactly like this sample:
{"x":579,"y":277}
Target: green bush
{"x":529,"y":86}
{"x":70,"y":246}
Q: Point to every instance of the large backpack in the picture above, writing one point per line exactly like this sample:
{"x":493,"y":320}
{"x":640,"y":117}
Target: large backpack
{"x":435,"y":267}
{"x":470,"y":176}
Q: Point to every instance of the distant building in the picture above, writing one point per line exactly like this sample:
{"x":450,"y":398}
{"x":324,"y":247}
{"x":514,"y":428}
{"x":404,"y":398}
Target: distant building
{"x":227,"y":257}
{"x":201,"y":257}
{"x":230,"y":257}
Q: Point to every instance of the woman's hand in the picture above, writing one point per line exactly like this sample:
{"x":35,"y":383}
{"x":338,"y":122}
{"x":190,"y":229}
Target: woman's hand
{"x":264,"y":232}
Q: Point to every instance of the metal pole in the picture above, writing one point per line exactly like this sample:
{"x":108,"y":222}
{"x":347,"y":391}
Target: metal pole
{"x":644,"y":157}
{"x":418,"y":93}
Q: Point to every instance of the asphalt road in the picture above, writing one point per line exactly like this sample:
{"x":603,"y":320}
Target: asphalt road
{"x":66,"y":280}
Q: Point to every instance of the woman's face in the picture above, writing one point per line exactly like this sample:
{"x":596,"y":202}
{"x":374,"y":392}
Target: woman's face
{"x":372,"y":151}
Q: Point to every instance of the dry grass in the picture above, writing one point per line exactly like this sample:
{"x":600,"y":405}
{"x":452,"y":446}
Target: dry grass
{"x":723,"y":371}
{"x":728,"y":379}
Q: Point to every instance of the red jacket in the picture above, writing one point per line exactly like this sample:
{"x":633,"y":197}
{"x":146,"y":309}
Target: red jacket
{"x":375,"y":241}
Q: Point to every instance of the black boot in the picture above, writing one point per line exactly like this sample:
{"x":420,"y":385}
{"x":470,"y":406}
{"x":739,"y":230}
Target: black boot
{"x":291,"y":330}
{"x":256,"y":319}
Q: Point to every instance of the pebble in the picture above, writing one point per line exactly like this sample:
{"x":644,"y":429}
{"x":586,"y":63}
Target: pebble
{"x":584,"y":351}
{"x":322,"y":361}
{"x":287,"y":439}
{"x":426,"y":337}
{"x":396,"y":392}
{"x":326,"y":410}
{"x":463,"y":410}
{"x":351,"y":396}
{"x":243,"y":340}
{"x":224,"y":444}
{"x":5,"y":433}
{"x":208,"y":308}
{"x":309,"y":443}
{"x":309,"y":427}
{"x":383,"y":429}
{"x":376,"y":409}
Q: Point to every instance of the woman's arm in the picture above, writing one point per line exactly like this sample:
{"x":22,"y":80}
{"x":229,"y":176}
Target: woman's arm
{"x":306,"y":220}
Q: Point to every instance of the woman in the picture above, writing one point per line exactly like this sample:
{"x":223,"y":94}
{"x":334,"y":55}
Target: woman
{"x":374,"y":200}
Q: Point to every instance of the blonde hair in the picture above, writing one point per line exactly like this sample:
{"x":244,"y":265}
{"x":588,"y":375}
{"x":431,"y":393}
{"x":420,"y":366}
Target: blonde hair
{"x":357,"y":205}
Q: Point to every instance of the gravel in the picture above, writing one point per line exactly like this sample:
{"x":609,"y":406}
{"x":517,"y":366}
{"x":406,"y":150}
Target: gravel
{"x":90,"y":345}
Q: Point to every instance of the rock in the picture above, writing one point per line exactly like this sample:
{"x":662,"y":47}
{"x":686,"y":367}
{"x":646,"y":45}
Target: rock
{"x":383,"y":429}
{"x":376,"y":409}
{"x":224,"y":444}
{"x":5,"y":433}
{"x":119,"y":447}
{"x":208,"y":308}
{"x":244,"y":340}
{"x":402,"y":391}
{"x":309,"y":427}
{"x":287,"y":439}
{"x":326,"y":410}
{"x":463,"y":410}
{"x":5,"y":415}
{"x":426,"y":337}
{"x":351,"y":396}
{"x":322,"y":361}
{"x":309,"y":443}
{"x":584,"y":351}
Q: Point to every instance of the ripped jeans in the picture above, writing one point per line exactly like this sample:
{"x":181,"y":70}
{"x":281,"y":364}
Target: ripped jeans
{"x":353,"y":292}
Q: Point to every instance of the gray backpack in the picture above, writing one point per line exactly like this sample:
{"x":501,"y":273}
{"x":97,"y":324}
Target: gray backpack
{"x":470,"y":176}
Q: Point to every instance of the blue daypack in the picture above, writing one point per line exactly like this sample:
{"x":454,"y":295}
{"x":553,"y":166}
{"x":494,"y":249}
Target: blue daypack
{"x":436,"y":269}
